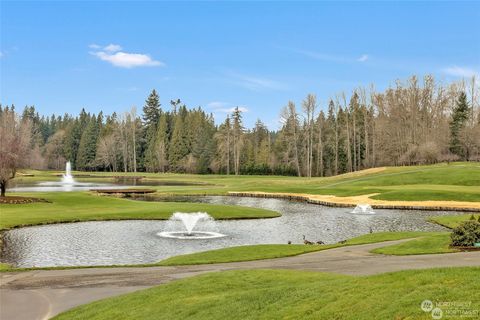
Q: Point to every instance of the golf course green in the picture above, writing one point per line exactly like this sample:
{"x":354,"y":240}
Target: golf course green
{"x":275,"y":294}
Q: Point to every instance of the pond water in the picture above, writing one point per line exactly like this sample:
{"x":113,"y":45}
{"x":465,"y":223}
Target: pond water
{"x":136,"y":242}
{"x":20,"y":185}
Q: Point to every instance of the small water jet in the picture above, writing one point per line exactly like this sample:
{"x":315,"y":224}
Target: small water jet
{"x":189,"y":221}
{"x":363,"y":208}
{"x":67,"y":177}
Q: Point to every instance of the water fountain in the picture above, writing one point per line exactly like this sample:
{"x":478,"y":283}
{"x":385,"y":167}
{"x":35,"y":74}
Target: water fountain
{"x":188,"y":222}
{"x":363,"y":208}
{"x":67,"y":177}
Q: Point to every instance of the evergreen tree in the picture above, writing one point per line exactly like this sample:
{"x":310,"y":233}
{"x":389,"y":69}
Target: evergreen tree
{"x":151,"y":110}
{"x":151,"y":116}
{"x":73,"y":135}
{"x":237,"y":131}
{"x":178,"y":149}
{"x":162,"y":143}
{"x":460,"y":116}
{"x":88,"y":145}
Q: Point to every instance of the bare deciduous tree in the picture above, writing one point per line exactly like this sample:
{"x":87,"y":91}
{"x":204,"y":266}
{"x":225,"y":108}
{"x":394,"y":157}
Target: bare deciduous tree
{"x":15,"y":144}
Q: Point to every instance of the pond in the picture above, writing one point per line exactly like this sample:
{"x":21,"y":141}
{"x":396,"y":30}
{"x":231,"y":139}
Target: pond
{"x":85,"y":184}
{"x":137,"y":242}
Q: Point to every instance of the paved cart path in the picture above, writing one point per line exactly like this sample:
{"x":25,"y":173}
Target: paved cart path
{"x":41,"y":294}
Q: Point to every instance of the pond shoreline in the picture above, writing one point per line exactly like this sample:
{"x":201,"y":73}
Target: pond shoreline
{"x":344,"y":202}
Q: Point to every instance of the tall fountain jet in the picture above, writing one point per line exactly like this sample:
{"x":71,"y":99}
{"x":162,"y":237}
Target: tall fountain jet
{"x":67,"y":177}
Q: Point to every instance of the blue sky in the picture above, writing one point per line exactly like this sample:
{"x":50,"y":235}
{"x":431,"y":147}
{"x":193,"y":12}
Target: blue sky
{"x":62,"y":56}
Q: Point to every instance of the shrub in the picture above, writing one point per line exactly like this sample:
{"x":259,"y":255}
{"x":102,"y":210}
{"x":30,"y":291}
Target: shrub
{"x":466,"y":234}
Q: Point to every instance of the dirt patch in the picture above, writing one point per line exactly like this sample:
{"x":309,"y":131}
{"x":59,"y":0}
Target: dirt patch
{"x":21,"y":200}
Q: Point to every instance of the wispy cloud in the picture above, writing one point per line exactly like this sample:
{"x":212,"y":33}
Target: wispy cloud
{"x":226,"y":107}
{"x":256,"y":83}
{"x":112,"y":54}
{"x":463,"y":72}
{"x":230,"y":110}
{"x":338,"y":58}
{"x":363,"y":58}
{"x":217,"y":104}
{"x":112,"y":48}
{"x":321,"y":56}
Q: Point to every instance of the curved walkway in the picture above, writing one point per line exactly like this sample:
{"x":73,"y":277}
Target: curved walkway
{"x":41,"y":294}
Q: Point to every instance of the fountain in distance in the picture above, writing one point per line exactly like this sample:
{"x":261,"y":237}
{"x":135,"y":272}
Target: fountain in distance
{"x":67,"y":177}
{"x":363,"y":208}
{"x":184,"y":225}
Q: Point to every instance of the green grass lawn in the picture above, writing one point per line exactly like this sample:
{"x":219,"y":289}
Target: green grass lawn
{"x":270,"y":251}
{"x":83,"y":206}
{"x":452,"y":221}
{"x":431,"y":242}
{"x":456,"y":181}
{"x":282,"y":294}
{"x":244,"y":253}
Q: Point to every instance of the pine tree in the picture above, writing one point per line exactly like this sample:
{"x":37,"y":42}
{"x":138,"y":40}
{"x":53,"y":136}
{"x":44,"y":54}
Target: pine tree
{"x":151,"y":116}
{"x":460,"y":116}
{"x":178,"y":149}
{"x":88,"y":145}
{"x":151,"y":110}
{"x":162,"y":143}
{"x":237,"y":130}
{"x":73,"y":135}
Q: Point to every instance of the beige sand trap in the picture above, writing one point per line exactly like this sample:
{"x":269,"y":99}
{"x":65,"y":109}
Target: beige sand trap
{"x":354,"y":200}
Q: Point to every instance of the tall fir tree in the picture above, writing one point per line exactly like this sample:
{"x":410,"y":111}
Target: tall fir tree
{"x":151,"y":117}
{"x":179,"y":146}
{"x":88,"y":145}
{"x":460,"y":116}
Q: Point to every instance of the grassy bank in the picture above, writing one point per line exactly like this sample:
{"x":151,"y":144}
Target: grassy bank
{"x":244,"y":253}
{"x":83,"y":206}
{"x":421,"y":243}
{"x":445,"y":182}
{"x":452,"y":221}
{"x":427,"y":242}
{"x":430,"y":243}
{"x":275,"y":294}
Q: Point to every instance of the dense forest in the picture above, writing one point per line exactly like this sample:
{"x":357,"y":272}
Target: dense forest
{"x":412,"y":122}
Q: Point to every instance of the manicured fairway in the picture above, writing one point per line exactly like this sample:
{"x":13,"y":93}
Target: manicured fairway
{"x":275,"y":294}
{"x":244,"y":253}
{"x":83,"y":206}
{"x":431,"y":242}
{"x":452,"y":221}
{"x":454,"y":182}
{"x":427,"y":242}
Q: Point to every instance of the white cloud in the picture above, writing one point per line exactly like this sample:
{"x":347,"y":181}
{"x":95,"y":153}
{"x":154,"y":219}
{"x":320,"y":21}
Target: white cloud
{"x":220,"y":106}
{"x":94,"y":46}
{"x":463,"y":72}
{"x":230,"y":110}
{"x":112,"y":48}
{"x":217,"y":104}
{"x":330,"y":57}
{"x":114,"y":56}
{"x":363,"y":58}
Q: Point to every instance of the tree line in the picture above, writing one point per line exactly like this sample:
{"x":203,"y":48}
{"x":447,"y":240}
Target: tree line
{"x":418,"y":121}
